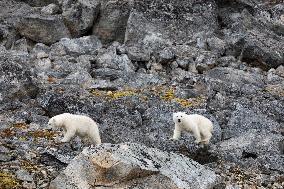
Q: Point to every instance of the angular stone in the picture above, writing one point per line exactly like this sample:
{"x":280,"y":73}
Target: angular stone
{"x":124,"y":166}
{"x":113,"y":20}
{"x":79,"y":15}
{"x":43,"y":29}
{"x":50,"y":9}
{"x":78,"y":46}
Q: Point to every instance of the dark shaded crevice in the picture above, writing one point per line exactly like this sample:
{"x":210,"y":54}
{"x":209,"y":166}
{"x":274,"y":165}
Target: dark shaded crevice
{"x":201,"y":155}
{"x":255,"y":63}
{"x":247,"y":155}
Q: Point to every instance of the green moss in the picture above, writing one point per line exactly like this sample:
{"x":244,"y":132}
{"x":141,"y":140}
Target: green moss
{"x":8,"y":181}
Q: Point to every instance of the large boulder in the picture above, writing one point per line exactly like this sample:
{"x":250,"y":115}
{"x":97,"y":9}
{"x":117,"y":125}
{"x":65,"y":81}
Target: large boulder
{"x":17,"y":79}
{"x":235,"y":81}
{"x":257,"y":149}
{"x":254,"y":31}
{"x":112,"y":23}
{"x":133,"y":166}
{"x":152,"y":26}
{"x":43,"y":29}
{"x":244,"y":119}
{"x":80,"y":15}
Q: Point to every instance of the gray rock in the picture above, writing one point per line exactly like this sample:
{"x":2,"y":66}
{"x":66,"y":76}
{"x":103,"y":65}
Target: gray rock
{"x":36,"y":3}
{"x":183,"y":63}
{"x":24,"y":175}
{"x":50,"y":9}
{"x":166,"y":55}
{"x":235,"y":81}
{"x":8,"y":35}
{"x":21,"y":45}
{"x":43,"y":29}
{"x":217,"y":45}
{"x":17,"y":77}
{"x":243,"y":120}
{"x":77,"y":46}
{"x":108,"y":58}
{"x":112,"y":23}
{"x":270,"y":48}
{"x":138,"y":54}
{"x":154,"y":26}
{"x":80,"y":15}
{"x":254,"y":148}
{"x":117,"y":166}
{"x":80,"y":78}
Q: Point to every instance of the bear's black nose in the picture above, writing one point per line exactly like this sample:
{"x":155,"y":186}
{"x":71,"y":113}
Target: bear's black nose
{"x":179,"y":120}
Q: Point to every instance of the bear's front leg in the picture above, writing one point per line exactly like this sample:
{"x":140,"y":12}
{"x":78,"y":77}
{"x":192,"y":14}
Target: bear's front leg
{"x":177,"y":133}
{"x":68,"y":135}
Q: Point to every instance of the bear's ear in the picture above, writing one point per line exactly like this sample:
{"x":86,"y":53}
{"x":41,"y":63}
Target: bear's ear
{"x":174,"y":114}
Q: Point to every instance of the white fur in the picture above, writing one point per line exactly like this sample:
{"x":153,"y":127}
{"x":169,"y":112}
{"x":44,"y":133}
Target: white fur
{"x":198,"y":125}
{"x":72,"y":125}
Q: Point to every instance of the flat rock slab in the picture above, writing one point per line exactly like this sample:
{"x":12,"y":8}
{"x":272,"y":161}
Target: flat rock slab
{"x":133,"y":165}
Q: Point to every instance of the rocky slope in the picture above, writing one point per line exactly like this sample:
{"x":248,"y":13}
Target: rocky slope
{"x":130,"y":64}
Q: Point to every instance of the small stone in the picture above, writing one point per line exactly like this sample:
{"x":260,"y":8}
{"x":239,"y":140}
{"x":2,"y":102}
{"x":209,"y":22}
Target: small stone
{"x":24,"y":175}
{"x":50,"y":9}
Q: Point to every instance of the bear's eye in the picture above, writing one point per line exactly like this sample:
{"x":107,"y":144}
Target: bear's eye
{"x":180,"y":116}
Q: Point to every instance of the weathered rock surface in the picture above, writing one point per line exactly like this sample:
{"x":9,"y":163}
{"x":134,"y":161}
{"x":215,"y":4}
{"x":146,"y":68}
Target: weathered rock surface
{"x":134,"y":166}
{"x":80,"y":15}
{"x":43,"y":29}
{"x":255,"y":149}
{"x":112,"y":23}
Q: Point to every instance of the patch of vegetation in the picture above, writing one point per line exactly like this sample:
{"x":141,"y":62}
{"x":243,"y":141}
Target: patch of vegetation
{"x":7,"y":133}
{"x":19,"y":130}
{"x":8,"y":181}
{"x":20,"y":125}
{"x":42,"y":134}
{"x":28,"y":165}
{"x":164,"y":93}
{"x":120,"y":94}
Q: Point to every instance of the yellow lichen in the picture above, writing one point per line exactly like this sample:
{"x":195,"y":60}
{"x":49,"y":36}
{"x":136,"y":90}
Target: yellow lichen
{"x":183,"y":102}
{"x":169,"y":95}
{"x":95,"y":92}
{"x":120,"y":94}
{"x":28,"y":165}
{"x":8,"y":181}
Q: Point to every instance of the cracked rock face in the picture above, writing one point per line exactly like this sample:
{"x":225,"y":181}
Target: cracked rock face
{"x":132,"y":165}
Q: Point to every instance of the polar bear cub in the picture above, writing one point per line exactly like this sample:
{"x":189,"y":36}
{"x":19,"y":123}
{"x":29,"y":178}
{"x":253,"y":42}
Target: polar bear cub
{"x":72,"y":125}
{"x":198,"y":125}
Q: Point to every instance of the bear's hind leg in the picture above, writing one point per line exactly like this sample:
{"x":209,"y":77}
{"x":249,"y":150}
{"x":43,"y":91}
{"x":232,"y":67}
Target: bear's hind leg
{"x":197,"y":135}
{"x":95,"y":137}
{"x":207,"y":138}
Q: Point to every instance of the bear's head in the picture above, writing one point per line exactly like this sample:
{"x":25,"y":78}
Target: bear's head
{"x":52,"y":123}
{"x":178,"y":117}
